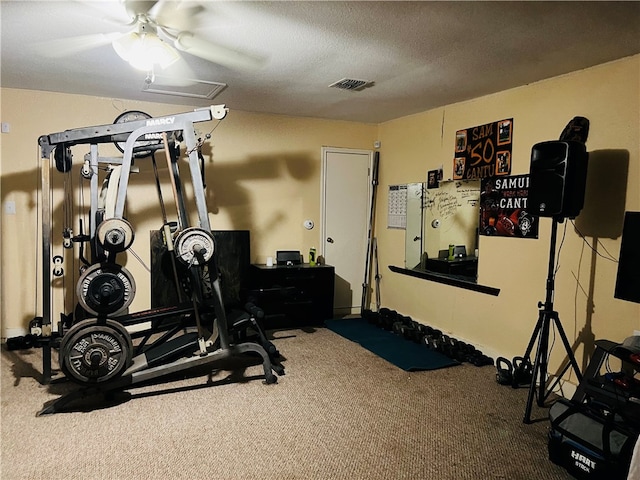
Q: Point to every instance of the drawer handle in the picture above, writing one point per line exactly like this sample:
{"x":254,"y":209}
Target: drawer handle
{"x":300,"y":278}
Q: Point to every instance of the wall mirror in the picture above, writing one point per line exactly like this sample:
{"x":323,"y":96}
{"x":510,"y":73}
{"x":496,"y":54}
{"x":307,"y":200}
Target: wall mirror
{"x":442,"y":229}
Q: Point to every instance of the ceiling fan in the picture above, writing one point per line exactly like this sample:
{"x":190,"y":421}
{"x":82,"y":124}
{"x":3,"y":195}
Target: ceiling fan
{"x":158,"y":33}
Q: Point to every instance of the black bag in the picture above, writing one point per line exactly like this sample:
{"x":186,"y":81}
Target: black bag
{"x":590,"y":445}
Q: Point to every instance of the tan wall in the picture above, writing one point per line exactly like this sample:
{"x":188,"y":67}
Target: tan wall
{"x":263,"y":174}
{"x":608,"y":95}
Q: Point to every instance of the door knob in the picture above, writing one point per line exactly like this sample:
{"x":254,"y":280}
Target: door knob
{"x":329,"y":240}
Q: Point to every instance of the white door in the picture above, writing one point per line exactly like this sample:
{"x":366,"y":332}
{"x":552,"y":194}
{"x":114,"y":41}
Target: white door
{"x":346,"y":198}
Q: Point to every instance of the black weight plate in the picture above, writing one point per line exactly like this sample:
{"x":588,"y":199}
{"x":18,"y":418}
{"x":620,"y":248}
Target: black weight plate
{"x":92,"y":353}
{"x":105,"y":289}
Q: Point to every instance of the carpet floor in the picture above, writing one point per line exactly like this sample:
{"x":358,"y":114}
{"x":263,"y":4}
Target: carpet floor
{"x":340,"y":412}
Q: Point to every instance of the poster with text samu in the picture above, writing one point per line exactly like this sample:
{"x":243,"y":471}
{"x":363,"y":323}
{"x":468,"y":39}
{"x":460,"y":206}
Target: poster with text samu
{"x":503,"y":207}
{"x":483,"y":151}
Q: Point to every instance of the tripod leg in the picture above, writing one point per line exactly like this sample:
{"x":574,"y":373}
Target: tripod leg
{"x":543,"y":360}
{"x":534,"y":337}
{"x":567,"y":346}
{"x":539,"y":365}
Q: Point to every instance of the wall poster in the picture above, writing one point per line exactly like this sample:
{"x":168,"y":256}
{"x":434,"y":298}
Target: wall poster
{"x":483,"y":151}
{"x":503,"y":208}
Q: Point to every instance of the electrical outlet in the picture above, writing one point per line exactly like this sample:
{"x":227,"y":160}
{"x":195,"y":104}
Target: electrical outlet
{"x":6,"y":127}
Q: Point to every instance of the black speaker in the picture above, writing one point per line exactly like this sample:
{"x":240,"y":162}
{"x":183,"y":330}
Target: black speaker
{"x":558,"y":174}
{"x":628,"y":278}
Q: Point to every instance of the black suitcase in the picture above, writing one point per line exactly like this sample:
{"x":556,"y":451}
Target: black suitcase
{"x":590,"y":444}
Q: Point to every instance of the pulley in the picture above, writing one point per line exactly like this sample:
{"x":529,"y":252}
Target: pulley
{"x":105,"y":288}
{"x":58,"y":271}
{"x":93,"y":353}
{"x":115,"y":235}
{"x":194,"y":246}
{"x":63,"y":158}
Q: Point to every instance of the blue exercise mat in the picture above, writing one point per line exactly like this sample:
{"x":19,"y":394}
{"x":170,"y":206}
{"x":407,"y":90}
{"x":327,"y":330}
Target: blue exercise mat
{"x":393,"y":348}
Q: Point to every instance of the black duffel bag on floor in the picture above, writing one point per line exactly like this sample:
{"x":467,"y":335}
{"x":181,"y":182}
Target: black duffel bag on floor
{"x":590,"y":445}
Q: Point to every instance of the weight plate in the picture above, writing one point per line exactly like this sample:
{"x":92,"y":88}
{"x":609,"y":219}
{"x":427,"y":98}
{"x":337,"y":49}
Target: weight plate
{"x":194,"y":246}
{"x":138,"y":146}
{"x":91,"y":353}
{"x":115,"y":234}
{"x":106,"y":288}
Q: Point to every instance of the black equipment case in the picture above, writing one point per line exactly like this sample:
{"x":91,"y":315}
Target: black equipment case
{"x":588,"y":444}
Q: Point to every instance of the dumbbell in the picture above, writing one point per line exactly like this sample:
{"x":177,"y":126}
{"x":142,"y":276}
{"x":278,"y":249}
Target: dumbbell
{"x":21,"y":342}
{"x":408,"y":328}
{"x":480,"y":359}
{"x":430,"y":342}
{"x":398,"y":327}
{"x":387,"y":318}
{"x":425,"y":329}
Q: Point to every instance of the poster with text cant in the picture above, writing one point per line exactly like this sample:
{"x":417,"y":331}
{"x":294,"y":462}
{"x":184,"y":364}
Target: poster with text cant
{"x":503,"y":208}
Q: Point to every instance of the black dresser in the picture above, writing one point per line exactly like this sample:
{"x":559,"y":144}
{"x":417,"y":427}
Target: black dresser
{"x":293,"y":296}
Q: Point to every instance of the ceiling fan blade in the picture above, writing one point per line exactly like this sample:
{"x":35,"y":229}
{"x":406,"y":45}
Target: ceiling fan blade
{"x":176,"y":15}
{"x":63,"y":47}
{"x":218,"y":54}
{"x":105,"y":11}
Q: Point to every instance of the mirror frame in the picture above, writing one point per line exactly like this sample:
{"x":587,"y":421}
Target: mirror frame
{"x":447,"y":280}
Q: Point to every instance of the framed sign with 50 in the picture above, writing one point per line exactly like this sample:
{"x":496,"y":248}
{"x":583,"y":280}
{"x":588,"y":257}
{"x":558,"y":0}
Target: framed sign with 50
{"x":483,"y":151}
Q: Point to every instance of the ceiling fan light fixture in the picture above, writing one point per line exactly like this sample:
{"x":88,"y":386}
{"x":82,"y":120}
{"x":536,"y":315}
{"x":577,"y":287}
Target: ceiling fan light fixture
{"x":145,"y":50}
{"x":125,"y":44}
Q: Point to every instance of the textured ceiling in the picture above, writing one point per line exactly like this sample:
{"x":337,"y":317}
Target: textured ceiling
{"x":420,"y":55}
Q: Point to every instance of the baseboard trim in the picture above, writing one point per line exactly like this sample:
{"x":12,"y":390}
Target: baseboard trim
{"x":13,"y":332}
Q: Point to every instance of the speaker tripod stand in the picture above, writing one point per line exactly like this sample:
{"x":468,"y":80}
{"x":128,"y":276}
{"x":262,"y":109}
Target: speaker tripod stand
{"x":541,"y":332}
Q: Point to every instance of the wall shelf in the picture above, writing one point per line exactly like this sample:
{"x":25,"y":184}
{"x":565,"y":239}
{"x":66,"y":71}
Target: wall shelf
{"x":447,"y":280}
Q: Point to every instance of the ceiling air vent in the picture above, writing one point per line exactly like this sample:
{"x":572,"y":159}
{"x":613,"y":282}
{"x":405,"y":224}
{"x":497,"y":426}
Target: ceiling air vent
{"x":351,"y":84}
{"x":182,"y":87}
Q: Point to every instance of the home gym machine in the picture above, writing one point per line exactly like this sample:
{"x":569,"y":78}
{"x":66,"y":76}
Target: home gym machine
{"x":101,"y":345}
